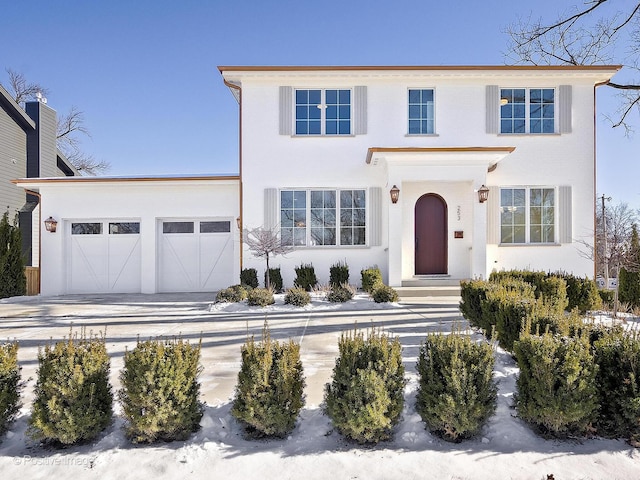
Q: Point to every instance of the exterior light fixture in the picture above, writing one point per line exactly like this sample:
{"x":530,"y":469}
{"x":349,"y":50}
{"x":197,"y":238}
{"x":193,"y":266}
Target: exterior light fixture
{"x":483,"y":194}
{"x":51,"y":224}
{"x":395,"y":193}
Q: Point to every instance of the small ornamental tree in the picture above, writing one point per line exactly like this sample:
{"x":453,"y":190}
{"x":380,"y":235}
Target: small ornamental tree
{"x":265,"y":243}
{"x":269,"y":393}
{"x":13,"y":283}
{"x":73,"y":399}
{"x":366,"y":395}
{"x":10,"y":385}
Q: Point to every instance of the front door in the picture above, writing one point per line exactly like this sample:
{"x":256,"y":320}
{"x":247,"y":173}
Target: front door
{"x":431,"y":235}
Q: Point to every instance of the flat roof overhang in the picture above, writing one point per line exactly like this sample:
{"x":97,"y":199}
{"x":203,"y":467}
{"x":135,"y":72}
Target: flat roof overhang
{"x":488,"y":157}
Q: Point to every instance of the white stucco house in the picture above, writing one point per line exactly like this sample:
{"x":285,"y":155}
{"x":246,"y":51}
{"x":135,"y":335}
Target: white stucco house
{"x":433,"y":174}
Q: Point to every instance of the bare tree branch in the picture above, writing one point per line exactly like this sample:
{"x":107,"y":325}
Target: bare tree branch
{"x":264,"y":243}
{"x":22,"y":90}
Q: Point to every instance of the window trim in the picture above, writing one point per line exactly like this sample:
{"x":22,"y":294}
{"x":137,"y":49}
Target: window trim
{"x":323,"y":112}
{"x":527,"y":225}
{"x":338,"y":225}
{"x":527,"y":110}
{"x":408,"y":118}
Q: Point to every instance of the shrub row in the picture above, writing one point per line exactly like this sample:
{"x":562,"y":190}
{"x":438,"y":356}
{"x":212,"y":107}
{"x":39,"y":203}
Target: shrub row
{"x":10,"y":385}
{"x":580,"y":384}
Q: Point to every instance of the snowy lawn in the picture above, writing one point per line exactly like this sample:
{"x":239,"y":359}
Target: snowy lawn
{"x":507,"y":448}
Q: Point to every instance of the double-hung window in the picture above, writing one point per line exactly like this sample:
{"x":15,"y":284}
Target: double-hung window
{"x":527,"y":215}
{"x":323,"y":112}
{"x":421,"y":112}
{"x":323,"y":217}
{"x":527,"y":110}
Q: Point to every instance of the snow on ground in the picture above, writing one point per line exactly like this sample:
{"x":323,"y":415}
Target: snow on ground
{"x":507,"y":448}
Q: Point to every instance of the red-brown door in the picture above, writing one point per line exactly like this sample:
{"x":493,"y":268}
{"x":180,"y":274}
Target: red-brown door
{"x":431,"y":235}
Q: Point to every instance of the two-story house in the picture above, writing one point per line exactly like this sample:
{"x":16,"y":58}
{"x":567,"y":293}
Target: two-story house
{"x":27,"y":149}
{"x":433,"y":174}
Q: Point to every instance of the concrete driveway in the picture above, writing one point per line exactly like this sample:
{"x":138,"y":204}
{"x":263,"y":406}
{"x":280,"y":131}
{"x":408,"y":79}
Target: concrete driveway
{"x":34,"y":321}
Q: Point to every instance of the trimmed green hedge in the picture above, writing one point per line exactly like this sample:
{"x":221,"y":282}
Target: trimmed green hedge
{"x":370,"y":277}
{"x":10,"y":385}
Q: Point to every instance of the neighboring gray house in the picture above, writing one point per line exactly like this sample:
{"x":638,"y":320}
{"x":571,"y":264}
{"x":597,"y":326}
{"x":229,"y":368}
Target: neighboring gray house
{"x":27,"y":149}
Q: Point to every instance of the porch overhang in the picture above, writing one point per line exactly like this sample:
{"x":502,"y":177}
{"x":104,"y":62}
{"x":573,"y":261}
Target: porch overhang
{"x":487,"y":157}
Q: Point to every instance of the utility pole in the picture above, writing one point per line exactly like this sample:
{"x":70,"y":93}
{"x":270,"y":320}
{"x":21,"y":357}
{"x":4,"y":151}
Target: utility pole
{"x":605,"y":253}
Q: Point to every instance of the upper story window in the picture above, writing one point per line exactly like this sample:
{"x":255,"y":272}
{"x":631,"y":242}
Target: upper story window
{"x":323,"y":112}
{"x":323,"y":217}
{"x":529,"y":110}
{"x":527,"y":215}
{"x":421,"y":112}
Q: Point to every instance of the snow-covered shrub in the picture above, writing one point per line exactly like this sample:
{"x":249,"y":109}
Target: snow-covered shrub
{"x":260,"y":297}
{"x":73,"y":399}
{"x":384,"y":294}
{"x":160,"y":390}
{"x":10,"y":385}
{"x":618,"y":357}
{"x":269,"y":393}
{"x":232,"y":294}
{"x":556,"y":387}
{"x":457,"y":393}
{"x":249,"y":277}
{"x":298,"y":297}
{"x":370,"y":278}
{"x":365,"y":397}
{"x":305,"y":277}
{"x":340,"y":293}
{"x":338,"y":274}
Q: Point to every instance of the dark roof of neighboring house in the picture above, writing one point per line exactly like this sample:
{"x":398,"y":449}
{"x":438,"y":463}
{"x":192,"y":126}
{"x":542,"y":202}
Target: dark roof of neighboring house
{"x":65,"y":166}
{"x":14,"y":110}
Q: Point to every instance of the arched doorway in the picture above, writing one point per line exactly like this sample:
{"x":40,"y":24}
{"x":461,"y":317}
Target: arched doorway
{"x":431,"y":235}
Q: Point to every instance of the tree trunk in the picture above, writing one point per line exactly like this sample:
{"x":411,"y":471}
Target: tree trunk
{"x":267,"y":282}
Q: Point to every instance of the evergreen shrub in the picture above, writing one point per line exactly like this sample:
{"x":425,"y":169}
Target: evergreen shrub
{"x":73,"y":399}
{"x":160,"y":390}
{"x":365,"y":397}
{"x":582,"y":293}
{"x":617,"y":355}
{"x":456,"y":393}
{"x":629,"y":278}
{"x":340,"y":293}
{"x":370,"y":278}
{"x":382,"y":293}
{"x":305,"y":277}
{"x":232,"y":294}
{"x":338,"y":274}
{"x":556,"y":387}
{"x":472,"y":295}
{"x":275,"y":279}
{"x":13,"y":282}
{"x":260,"y":297}
{"x":269,"y":393}
{"x":298,"y":297}
{"x":249,"y":277}
{"x":606,"y":296}
{"x":10,"y":385}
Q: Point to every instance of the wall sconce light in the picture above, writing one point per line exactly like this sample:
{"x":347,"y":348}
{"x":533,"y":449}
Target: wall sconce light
{"x":239,"y":223}
{"x":483,"y":194}
{"x":395,"y":193}
{"x":51,"y":224}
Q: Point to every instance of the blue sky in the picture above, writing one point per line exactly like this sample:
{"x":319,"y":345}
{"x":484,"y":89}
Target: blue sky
{"x":144,"y":72}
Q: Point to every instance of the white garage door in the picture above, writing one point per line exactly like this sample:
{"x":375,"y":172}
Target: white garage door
{"x":195,"y":255}
{"x":104,"y":256}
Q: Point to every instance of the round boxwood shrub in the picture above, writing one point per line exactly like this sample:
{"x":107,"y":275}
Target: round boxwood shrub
{"x":260,"y":297}
{"x":383,"y":294}
{"x":456,"y":393}
{"x":10,"y":385}
{"x":232,"y":294}
{"x":366,"y":395}
{"x":269,"y":393}
{"x":370,"y":278}
{"x":73,"y":399}
{"x":160,"y":390}
{"x":340,"y":294}
{"x":298,"y":297}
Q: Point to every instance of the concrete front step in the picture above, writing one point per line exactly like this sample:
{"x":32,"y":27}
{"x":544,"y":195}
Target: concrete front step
{"x":425,"y":292}
{"x":431,"y":281}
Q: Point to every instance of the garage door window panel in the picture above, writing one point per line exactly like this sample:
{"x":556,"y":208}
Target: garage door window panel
{"x":86,"y":228}
{"x":215,"y":227}
{"x":124,"y":228}
{"x":177,"y":227}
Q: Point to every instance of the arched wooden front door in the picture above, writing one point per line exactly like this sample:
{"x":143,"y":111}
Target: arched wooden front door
{"x":431,"y":235}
